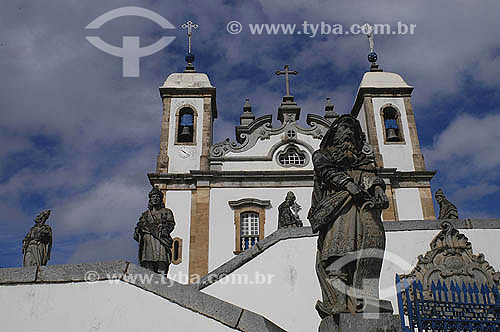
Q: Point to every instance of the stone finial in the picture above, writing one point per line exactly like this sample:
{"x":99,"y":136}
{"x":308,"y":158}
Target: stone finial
{"x":247,"y":116}
{"x":446,"y":209}
{"x":330,"y":114}
{"x":247,"y":107}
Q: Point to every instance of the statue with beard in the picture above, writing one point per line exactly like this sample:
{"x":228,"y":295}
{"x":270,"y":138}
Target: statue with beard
{"x":153,"y":234}
{"x":347,"y":201}
{"x":288,"y":212}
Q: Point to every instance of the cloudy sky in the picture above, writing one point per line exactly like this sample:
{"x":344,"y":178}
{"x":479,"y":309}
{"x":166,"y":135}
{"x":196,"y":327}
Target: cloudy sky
{"x":79,"y":138}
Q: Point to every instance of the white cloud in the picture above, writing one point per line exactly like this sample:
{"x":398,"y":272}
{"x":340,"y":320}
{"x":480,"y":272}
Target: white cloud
{"x":110,"y":207}
{"x":475,"y":192}
{"x":472,"y":141}
{"x":106,"y":247}
{"x":467,"y":157}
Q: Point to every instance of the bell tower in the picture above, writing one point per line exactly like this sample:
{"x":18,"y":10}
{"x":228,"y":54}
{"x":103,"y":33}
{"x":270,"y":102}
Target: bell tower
{"x":383,"y":107}
{"x":186,"y":128}
{"x":189,"y":110}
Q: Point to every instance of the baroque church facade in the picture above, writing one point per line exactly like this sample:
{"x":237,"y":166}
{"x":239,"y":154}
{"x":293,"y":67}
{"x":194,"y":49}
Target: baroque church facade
{"x":225,"y":195}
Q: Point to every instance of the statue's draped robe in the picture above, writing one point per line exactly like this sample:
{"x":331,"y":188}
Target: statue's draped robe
{"x":344,"y":226}
{"x":153,"y":233}
{"x":37,"y":245}
{"x":286,"y":217}
{"x":447,"y":210}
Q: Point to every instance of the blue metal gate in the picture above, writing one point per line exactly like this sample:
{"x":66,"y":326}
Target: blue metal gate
{"x":447,"y":306}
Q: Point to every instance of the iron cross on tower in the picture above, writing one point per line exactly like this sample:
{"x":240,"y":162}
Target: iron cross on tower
{"x":189,"y":25}
{"x":287,"y":72}
{"x":368,"y":30}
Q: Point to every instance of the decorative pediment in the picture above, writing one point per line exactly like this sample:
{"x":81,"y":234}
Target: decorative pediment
{"x":261,"y":128}
{"x":451,"y":259}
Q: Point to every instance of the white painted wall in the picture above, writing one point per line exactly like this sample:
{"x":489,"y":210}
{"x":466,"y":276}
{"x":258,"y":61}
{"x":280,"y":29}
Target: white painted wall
{"x":180,"y":204}
{"x":83,"y":307}
{"x":289,"y":298}
{"x":394,"y":155}
{"x":176,"y":163}
{"x":408,"y":204}
{"x":260,"y":149}
{"x":222,"y":229}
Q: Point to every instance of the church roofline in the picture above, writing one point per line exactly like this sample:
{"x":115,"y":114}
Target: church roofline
{"x":187,"y":80}
{"x":380,"y":84}
{"x":311,"y":119}
{"x":253,"y":126}
{"x":261,"y":128}
{"x":382,"y":80}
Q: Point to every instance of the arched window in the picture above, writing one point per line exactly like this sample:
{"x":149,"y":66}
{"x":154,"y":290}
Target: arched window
{"x":392,"y":125}
{"x":292,"y":157}
{"x":249,"y":229}
{"x":185,"y":127}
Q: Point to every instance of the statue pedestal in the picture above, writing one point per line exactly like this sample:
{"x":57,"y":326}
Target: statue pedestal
{"x":378,"y":322}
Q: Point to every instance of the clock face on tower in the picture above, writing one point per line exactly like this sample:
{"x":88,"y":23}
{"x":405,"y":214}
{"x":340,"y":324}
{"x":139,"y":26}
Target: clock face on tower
{"x":184,"y":152}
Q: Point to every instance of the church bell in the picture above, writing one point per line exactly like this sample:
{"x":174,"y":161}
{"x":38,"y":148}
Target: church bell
{"x":185,"y":134}
{"x":392,"y":135}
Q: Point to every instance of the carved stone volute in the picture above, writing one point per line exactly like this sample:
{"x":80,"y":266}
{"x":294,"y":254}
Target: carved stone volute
{"x":451,"y":259}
